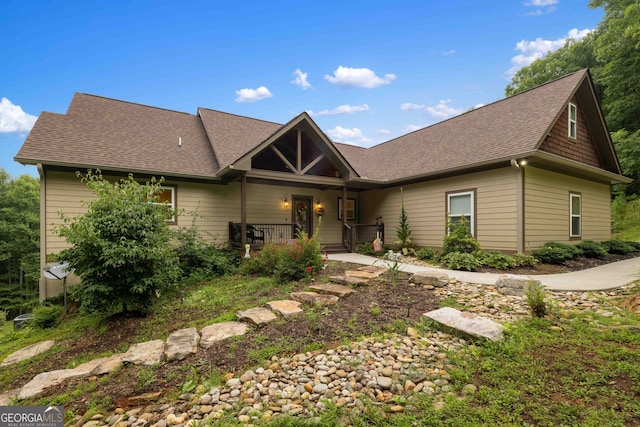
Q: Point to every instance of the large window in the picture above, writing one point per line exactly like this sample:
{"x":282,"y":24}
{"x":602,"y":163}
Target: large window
{"x":573,"y":116}
{"x":168,"y":198}
{"x":575,"y":215}
{"x":461,"y":205}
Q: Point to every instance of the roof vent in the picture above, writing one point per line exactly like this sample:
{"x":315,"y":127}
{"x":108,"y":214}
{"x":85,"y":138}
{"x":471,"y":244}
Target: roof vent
{"x":180,"y":141}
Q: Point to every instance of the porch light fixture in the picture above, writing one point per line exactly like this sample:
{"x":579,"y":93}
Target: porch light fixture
{"x":285,"y":203}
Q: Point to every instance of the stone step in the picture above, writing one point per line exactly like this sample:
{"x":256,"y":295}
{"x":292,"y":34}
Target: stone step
{"x":349,"y":281}
{"x":209,"y":335}
{"x":340,"y":291}
{"x":257,"y":315}
{"x":315,"y":298}
{"x":285,"y":308}
{"x":367,"y":271}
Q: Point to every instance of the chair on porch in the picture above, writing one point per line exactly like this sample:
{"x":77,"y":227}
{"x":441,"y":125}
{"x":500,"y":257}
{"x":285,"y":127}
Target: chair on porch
{"x":254,"y":234}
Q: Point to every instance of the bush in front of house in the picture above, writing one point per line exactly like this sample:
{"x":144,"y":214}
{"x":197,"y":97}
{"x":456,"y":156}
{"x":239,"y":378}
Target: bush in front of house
{"x":459,"y":239}
{"x":427,"y":254}
{"x":460,"y":261}
{"x":299,"y":259}
{"x":495,"y":259}
{"x":556,"y":253}
{"x":592,"y":249}
{"x":620,"y":247}
{"x":524,"y":260}
{"x":121,"y":247}
{"x":263,"y":262}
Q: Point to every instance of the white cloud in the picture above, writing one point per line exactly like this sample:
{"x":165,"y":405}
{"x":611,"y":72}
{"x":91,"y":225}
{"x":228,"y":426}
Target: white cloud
{"x":383,"y":131}
{"x":411,"y":106}
{"x":350,"y":136}
{"x":449,"y":52}
{"x":13,"y":119}
{"x":253,"y":95}
{"x":343,"y":109}
{"x":358,"y":77}
{"x":543,"y":6}
{"x":538,"y":48}
{"x":301,"y":79}
{"x":443,"y":110}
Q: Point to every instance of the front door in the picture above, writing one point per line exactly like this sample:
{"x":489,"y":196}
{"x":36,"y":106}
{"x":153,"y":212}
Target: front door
{"x":302,"y":214}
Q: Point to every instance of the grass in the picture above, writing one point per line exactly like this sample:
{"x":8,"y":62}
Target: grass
{"x":587,"y":372}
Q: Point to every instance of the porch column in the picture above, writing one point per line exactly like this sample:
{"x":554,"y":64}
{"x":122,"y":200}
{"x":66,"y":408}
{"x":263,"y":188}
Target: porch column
{"x":243,"y":210}
{"x":344,"y":205}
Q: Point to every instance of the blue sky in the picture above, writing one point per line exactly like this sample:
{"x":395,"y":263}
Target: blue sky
{"x":367,"y":71}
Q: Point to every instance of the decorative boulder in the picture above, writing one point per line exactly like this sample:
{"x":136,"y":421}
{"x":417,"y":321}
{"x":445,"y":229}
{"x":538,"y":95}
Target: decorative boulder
{"x":512,"y":284}
{"x":466,"y":324}
{"x":430,"y":277}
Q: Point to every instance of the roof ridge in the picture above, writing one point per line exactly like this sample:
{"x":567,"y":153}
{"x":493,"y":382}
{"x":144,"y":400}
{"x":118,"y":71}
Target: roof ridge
{"x":132,"y":103}
{"x":471,"y":110}
{"x":241,"y":116}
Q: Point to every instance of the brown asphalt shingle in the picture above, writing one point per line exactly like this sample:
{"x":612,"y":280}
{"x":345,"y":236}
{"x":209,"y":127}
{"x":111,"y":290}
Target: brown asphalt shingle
{"x":112,"y":134}
{"x":506,"y":128}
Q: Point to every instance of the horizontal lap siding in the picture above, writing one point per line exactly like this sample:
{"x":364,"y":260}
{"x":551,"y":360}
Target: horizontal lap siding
{"x":547,"y":208}
{"x":425,"y":203}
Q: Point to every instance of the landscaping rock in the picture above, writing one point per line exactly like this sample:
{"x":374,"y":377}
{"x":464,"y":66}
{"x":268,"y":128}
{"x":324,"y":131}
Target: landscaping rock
{"x":209,"y":335}
{"x":6,"y":398}
{"x":315,"y":298}
{"x":42,"y":381}
{"x":431,"y":277}
{"x":109,"y":365}
{"x":340,"y":291}
{"x":182,"y":343}
{"x":361,"y":274}
{"x":27,"y":352}
{"x":632,"y":304}
{"x":257,"y":316}
{"x":466,"y":324}
{"x":145,"y":353}
{"x":349,"y":281}
{"x":513,"y":284}
{"x":285,"y":308}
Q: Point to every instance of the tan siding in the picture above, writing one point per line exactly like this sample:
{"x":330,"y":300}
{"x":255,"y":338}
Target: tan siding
{"x":425,"y":203}
{"x":547,"y":208}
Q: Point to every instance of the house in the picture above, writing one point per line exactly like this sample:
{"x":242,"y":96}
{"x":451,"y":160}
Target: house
{"x":524,"y":170}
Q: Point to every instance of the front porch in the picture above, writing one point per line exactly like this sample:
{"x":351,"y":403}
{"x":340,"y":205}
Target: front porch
{"x":259,"y":234}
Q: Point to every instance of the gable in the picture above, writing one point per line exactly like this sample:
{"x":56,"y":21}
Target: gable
{"x":581,"y":149}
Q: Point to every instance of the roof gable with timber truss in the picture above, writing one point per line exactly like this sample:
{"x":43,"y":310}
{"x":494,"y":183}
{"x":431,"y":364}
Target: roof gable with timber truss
{"x":298,"y":151}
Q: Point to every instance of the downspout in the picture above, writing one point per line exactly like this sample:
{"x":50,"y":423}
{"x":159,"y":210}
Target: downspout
{"x":42,"y":283}
{"x":518,"y":165}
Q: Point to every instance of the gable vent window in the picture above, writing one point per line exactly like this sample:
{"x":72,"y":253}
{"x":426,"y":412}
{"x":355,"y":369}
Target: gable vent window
{"x":573,"y":114}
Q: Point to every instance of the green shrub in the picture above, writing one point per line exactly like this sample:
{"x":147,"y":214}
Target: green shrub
{"x":535,"y":295}
{"x":592,"y":249}
{"x":265,"y":261}
{"x":556,"y":253}
{"x":495,"y":259}
{"x":427,"y":254}
{"x":524,"y":260}
{"x":299,"y":259}
{"x":366,"y":248}
{"x":47,"y":316}
{"x":619,"y":247}
{"x":460,"y":261}
{"x":459,"y":239}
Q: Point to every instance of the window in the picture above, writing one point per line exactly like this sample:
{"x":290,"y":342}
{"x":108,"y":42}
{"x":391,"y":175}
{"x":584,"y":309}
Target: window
{"x":575,"y":215}
{"x":167,"y":197}
{"x":573,"y":114}
{"x":462,"y":205}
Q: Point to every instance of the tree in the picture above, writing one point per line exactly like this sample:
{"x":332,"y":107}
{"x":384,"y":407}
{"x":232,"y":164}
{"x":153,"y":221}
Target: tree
{"x":403,"y":231}
{"x":121,"y":246}
{"x":19,"y":241}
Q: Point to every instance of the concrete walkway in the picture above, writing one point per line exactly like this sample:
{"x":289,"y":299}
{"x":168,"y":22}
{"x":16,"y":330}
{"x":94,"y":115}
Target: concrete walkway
{"x":607,"y":276}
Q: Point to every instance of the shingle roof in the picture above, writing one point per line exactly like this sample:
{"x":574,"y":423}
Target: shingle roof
{"x":117,"y":135}
{"x":233,"y":136}
{"x":505,"y":128}
{"x":112,"y":134}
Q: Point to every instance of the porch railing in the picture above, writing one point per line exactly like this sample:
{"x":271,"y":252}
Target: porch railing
{"x":356,"y":234}
{"x":259,"y":234}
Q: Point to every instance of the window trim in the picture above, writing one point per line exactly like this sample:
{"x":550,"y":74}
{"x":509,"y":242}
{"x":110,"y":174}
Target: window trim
{"x":472,"y":222}
{"x":572,"y":196}
{"x":173,"y":205}
{"x":572,"y":124}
